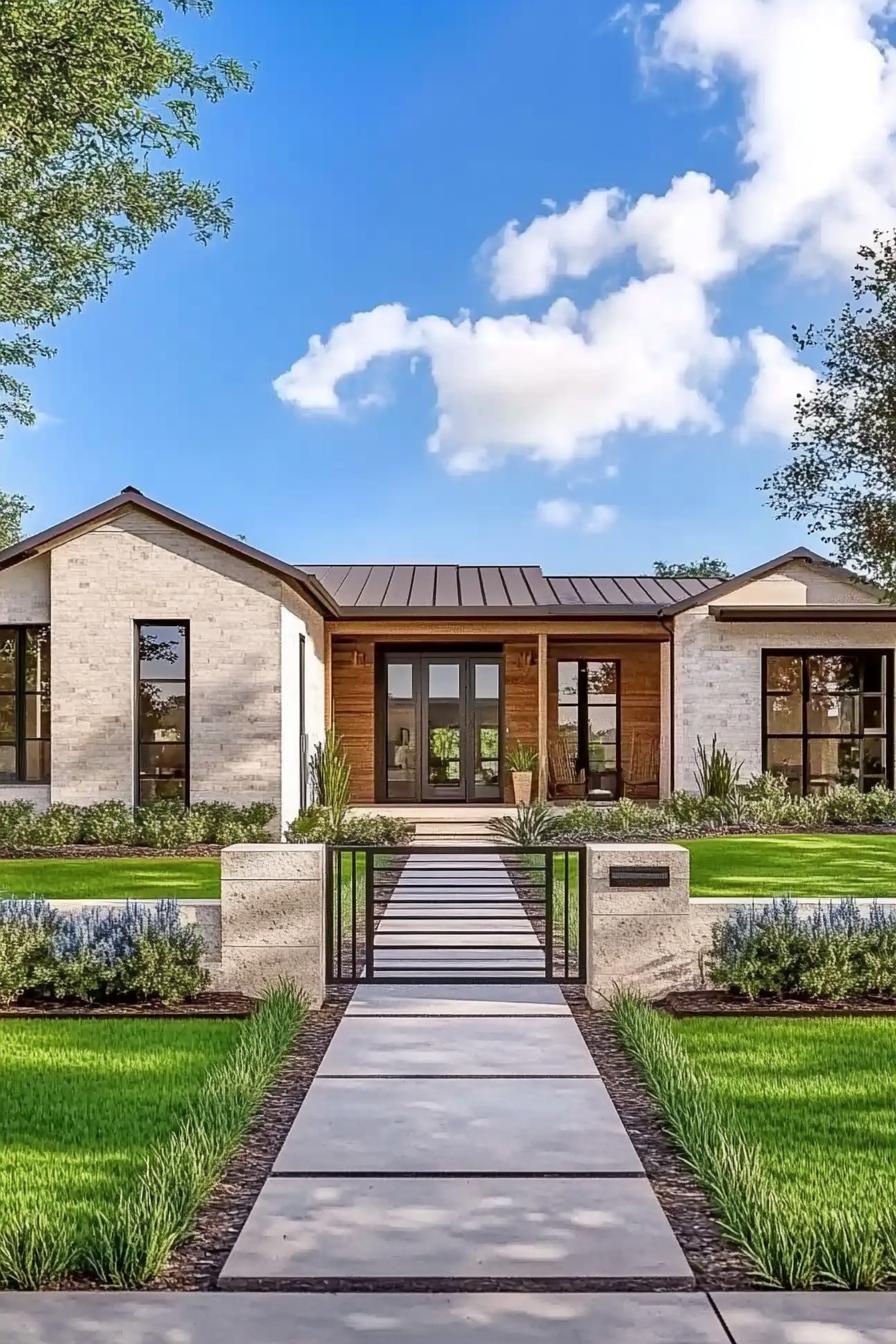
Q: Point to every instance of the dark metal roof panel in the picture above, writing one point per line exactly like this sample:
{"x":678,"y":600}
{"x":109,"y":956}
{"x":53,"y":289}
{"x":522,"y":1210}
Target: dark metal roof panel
{"x":471,"y":594}
{"x":374,"y":590}
{"x":423,"y":586}
{"x":538,"y":585}
{"x":352,"y":585}
{"x":517,"y":588}
{"x":399,"y":589}
{"x":493,"y":587}
{"x":447,"y":594}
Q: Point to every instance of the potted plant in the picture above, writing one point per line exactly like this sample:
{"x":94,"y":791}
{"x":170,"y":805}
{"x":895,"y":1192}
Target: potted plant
{"x":522,"y":761}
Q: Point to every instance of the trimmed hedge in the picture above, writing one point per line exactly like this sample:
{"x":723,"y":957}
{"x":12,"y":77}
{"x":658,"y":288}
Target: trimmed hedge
{"x":163,"y":824}
{"x":137,"y":953}
{"x":835,"y":952}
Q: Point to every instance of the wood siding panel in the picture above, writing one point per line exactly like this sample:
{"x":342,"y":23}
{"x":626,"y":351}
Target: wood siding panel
{"x":520,"y":701}
{"x":353,"y":712}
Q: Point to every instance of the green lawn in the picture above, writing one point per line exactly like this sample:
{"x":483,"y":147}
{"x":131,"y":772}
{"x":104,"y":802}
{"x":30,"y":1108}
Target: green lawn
{"x":796,"y":865}
{"x":111,"y":879}
{"x":83,"y":1099}
{"x":816,"y":1097}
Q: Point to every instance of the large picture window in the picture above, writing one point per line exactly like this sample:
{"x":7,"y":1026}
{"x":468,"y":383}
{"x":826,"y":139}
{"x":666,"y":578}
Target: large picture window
{"x":24,"y":704}
{"x":827,"y":718}
{"x":163,"y":711}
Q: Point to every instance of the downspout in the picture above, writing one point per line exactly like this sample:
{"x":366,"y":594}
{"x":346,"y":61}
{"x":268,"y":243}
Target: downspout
{"x":670,"y":630}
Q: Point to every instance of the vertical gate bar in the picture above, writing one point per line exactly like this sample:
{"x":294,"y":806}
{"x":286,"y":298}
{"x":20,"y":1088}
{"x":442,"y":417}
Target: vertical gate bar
{"x":583,"y":915}
{"x":566,"y":914}
{"x":338,"y":853}
{"x":328,"y":897}
{"x":353,"y":914}
{"x":549,"y":914}
{"x":369,"y":862}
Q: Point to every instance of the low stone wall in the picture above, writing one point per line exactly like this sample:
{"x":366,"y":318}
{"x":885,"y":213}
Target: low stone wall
{"x":652,"y":938}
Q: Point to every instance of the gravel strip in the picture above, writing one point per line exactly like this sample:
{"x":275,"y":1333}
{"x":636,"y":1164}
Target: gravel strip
{"x":719,"y":1003}
{"x":717,"y":1265}
{"x":204,"y":1005}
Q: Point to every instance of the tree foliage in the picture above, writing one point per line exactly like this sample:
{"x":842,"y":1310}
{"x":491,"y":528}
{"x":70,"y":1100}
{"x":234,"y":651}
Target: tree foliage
{"x":841,"y":475}
{"x":12,"y":510}
{"x":95,"y":101}
{"x":707,"y":568}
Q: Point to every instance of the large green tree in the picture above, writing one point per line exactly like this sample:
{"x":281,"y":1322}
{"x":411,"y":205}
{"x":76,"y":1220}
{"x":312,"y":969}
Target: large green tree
{"x":95,"y":102}
{"x":12,"y":511}
{"x":707,"y":568}
{"x":840,"y":478}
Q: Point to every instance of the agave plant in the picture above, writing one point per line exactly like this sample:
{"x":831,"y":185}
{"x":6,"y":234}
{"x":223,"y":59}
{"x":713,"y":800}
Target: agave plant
{"x":531,"y":824}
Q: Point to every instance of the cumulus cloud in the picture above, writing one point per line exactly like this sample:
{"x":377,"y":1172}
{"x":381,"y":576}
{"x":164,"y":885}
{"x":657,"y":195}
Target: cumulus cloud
{"x":548,"y":389}
{"x":779,"y":379}
{"x":818,"y":147}
{"x":569,"y":513}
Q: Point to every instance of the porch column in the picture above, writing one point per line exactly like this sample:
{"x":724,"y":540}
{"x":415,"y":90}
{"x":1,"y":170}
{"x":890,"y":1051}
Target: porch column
{"x":542,"y":717}
{"x":665,"y":761}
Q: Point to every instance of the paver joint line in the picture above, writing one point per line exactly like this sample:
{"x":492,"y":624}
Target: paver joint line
{"x":462,"y":1175}
{"x":720,"y":1318}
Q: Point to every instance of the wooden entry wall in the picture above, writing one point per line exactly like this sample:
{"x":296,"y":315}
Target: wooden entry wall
{"x":352,"y":692}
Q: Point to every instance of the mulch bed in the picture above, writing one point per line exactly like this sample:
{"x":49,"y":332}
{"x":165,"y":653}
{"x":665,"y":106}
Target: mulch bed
{"x":195,"y":1266}
{"x":719,"y":1003}
{"x":718,"y":1266}
{"x":110,"y":852}
{"x":204,"y":1005}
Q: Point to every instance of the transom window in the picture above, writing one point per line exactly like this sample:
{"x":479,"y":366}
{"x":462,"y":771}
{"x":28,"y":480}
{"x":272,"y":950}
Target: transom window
{"x":163,"y":691}
{"x":24,"y":704}
{"x":827,"y":718}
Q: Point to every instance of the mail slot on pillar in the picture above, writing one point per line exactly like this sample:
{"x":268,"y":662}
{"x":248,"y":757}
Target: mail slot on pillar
{"x":639,"y":875}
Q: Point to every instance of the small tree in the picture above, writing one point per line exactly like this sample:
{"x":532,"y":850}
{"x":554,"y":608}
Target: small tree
{"x":707,"y":568}
{"x":841,"y":476}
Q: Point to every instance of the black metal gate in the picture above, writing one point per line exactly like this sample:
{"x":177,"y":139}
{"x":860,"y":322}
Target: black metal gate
{"x":455,"y":913}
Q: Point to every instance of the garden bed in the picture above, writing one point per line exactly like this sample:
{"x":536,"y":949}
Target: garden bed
{"x":108,"y":852}
{"x":203,"y":1005}
{"x":720,"y":1003}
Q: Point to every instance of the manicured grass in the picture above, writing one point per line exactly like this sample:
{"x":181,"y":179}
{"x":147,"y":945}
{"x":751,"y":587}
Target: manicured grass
{"x":111,"y":879}
{"x":83,"y":1102}
{"x":817,"y":1098}
{"x":795,"y":865}
{"x":790,"y":1126}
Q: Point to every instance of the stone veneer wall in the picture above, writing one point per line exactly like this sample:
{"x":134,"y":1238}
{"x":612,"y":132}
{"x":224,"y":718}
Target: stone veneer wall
{"x":652,"y":939}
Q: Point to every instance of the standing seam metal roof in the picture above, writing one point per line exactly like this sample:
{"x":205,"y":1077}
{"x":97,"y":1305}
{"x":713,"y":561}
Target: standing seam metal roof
{"x":432,"y":587}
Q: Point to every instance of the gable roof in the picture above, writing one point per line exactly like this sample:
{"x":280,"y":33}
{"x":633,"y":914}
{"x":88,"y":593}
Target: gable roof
{"x":769,"y":567}
{"x":131,"y":498}
{"x":498,"y":590}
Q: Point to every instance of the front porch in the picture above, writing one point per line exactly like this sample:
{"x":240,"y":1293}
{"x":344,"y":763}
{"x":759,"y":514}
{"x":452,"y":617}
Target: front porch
{"x":431,"y":724}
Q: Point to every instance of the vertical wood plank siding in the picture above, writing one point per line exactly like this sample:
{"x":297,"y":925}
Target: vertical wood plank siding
{"x":353,"y":670}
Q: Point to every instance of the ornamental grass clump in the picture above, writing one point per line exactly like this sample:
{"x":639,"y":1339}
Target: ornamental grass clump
{"x":832,"y":951}
{"x":133,"y":1239}
{"x":795,"y":1237}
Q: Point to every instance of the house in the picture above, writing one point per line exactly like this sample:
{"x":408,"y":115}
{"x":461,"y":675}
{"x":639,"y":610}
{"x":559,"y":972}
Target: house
{"x":145,"y":655}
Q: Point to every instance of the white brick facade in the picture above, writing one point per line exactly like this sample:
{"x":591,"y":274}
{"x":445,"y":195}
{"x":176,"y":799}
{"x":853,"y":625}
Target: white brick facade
{"x":245,"y":626}
{"x":717,"y":665}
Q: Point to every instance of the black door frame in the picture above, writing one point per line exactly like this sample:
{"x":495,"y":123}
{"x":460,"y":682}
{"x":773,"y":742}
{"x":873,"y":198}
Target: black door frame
{"x":421,"y":656}
{"x":582,"y":758}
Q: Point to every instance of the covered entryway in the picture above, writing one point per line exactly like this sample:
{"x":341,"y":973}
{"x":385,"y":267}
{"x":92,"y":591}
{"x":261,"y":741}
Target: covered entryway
{"x":455,"y":913}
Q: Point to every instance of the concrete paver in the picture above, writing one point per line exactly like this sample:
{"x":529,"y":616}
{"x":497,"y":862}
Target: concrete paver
{"x":532,"y":1125}
{"x":358,"y":1318}
{"x":481,"y":1000}
{"x":808,"y":1318}
{"x":441,"y":1227}
{"x":536,"y":1046}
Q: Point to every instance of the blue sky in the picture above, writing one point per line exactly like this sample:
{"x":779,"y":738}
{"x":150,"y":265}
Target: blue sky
{"x":382,"y":148}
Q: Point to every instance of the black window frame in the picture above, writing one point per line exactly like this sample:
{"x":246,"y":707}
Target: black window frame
{"x":581,"y":705}
{"x":20,"y":694}
{"x":186,"y":679}
{"x":804,"y":737}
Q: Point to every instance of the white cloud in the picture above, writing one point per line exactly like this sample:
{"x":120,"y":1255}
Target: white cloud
{"x":569,"y":513}
{"x":778,"y":380}
{"x":570,"y":243}
{"x":546,"y":389}
{"x":611,"y":471}
{"x":818,"y":146}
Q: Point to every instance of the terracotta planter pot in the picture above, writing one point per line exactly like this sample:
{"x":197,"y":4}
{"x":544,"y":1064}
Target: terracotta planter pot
{"x":522,"y":787}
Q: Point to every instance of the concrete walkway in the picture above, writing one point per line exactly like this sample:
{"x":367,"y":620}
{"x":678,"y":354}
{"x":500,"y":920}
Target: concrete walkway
{"x":452,"y":1146}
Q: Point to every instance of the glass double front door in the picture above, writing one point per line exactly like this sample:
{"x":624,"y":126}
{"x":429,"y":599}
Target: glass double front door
{"x":442,"y":728}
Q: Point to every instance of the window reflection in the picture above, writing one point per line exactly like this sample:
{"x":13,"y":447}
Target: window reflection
{"x":162,"y":711}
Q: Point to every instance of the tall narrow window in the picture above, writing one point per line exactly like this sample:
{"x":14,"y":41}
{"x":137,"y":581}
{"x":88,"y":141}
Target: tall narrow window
{"x":25,"y":704}
{"x":588,"y":722}
{"x":827,"y":718}
{"x":163,"y":692}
